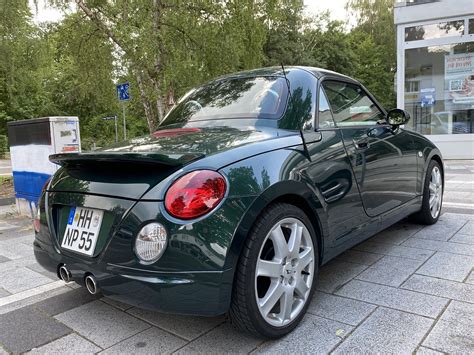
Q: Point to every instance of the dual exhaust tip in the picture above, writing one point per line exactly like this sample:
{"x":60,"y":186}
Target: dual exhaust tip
{"x":89,"y":281}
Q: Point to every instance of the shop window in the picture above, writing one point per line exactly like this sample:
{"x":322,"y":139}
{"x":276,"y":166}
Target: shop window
{"x":437,"y":30}
{"x":444,"y":101}
{"x":471,"y":26}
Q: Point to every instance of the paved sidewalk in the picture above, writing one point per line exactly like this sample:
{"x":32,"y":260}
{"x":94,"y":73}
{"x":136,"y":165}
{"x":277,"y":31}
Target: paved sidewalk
{"x":408,"y":289}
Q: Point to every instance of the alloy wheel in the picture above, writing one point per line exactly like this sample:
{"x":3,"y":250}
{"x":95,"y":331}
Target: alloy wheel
{"x":284,"y":272}
{"x":436,"y":192}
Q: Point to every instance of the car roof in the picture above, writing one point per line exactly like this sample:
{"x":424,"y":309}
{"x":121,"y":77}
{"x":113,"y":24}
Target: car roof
{"x":277,"y":71}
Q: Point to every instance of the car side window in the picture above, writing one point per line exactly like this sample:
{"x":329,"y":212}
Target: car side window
{"x":325,"y":115}
{"x":350,"y":105}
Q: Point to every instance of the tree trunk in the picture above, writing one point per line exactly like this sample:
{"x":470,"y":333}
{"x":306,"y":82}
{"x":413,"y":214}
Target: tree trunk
{"x":149,"y":114}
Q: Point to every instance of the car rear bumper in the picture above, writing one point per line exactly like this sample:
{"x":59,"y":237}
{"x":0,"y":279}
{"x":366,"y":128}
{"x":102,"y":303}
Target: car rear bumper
{"x":203,"y":293}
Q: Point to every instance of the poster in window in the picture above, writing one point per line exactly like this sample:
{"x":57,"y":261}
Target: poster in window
{"x":459,"y":76}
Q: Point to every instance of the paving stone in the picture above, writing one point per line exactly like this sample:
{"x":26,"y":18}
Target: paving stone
{"x":21,"y":279}
{"x":468,"y":217}
{"x":70,"y":344}
{"x":26,"y":328}
{"x":66,"y":301}
{"x":404,"y":300}
{"x":3,"y":352}
{"x":117,"y":304}
{"x":387,"y":331}
{"x":444,"y":229}
{"x":397,"y":233}
{"x":453,"y":333}
{"x":359,"y":257}
{"x":426,"y":351}
{"x":448,"y":266}
{"x":335,"y":274}
{"x":470,"y":278}
{"x":40,"y":270}
{"x":16,"y":250}
{"x":315,"y":335}
{"x":222,"y":339}
{"x":448,"y":247}
{"x":186,"y":327}
{"x":4,"y":293}
{"x":468,"y":229}
{"x":439,"y":287}
{"x":394,"y":250}
{"x":341,"y":309}
{"x":150,"y":341}
{"x":101,"y":323}
{"x":462,"y":238}
{"x":390,"y":270}
{"x":3,"y":259}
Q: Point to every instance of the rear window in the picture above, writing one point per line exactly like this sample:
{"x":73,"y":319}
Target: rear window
{"x":256,"y":97}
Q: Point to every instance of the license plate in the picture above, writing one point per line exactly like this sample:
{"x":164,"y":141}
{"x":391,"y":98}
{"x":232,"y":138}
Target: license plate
{"x":82,"y":230}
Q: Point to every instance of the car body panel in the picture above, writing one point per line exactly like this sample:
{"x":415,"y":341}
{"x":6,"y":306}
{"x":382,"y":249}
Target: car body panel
{"x":348,"y":195}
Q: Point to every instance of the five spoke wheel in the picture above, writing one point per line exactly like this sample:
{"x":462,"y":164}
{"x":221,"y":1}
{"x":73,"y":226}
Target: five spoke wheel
{"x":284,"y":272}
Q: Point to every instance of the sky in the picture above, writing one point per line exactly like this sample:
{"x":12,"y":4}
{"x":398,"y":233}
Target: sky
{"x":336,"y":7}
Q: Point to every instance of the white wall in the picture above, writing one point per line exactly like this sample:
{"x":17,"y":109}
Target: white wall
{"x":432,"y":11}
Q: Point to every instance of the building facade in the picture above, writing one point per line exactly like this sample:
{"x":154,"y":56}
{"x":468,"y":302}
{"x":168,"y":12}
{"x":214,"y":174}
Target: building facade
{"x":435,"y":71}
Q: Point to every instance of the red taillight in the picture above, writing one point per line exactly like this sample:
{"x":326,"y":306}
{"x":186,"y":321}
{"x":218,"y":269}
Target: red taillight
{"x":195,"y":194}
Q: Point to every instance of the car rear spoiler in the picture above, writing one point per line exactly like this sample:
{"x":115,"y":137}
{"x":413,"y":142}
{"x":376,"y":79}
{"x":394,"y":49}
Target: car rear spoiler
{"x":172,"y":160}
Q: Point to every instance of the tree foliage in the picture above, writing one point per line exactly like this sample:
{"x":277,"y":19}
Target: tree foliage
{"x":165,"y":47}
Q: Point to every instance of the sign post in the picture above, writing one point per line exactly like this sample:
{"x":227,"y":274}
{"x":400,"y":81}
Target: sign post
{"x":114,"y":117}
{"x":123,"y":95}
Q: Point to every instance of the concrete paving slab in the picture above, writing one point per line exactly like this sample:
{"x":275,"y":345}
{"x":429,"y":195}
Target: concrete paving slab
{"x":427,"y":351}
{"x":117,"y":304}
{"x":439,"y":287}
{"x":470,"y":278}
{"x":27,"y":328}
{"x":435,"y":245}
{"x":315,"y":335}
{"x":448,"y":266}
{"x":101,"y":323}
{"x":335,"y":274}
{"x":70,"y":344}
{"x":66,"y":301}
{"x":222,"y":339}
{"x":13,"y":251}
{"x":453,"y":333}
{"x":150,"y":341}
{"x":397,"y":233}
{"x":390,"y":270}
{"x":21,"y":279}
{"x":444,"y":229}
{"x":462,"y":238}
{"x":340,"y":309}
{"x":395,"y":250}
{"x":468,"y":228}
{"x":3,"y":259}
{"x":4,"y":293}
{"x":387,"y":331}
{"x":186,"y":327}
{"x":359,"y":257}
{"x":404,"y":300}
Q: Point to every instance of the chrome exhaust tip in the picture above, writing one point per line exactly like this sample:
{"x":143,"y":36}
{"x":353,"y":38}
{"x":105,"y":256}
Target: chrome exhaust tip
{"x":64,"y":273}
{"x":91,"y":284}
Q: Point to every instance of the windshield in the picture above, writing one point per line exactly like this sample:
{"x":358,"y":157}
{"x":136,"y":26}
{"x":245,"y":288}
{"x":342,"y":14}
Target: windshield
{"x":255,"y":97}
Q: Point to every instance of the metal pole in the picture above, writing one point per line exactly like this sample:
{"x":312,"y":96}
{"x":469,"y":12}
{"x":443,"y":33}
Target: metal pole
{"x":124,"y":124}
{"x":116,"y":129}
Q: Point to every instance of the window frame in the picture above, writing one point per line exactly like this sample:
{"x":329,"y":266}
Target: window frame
{"x":347,"y":80}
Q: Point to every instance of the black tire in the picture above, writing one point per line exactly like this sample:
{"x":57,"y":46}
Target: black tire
{"x":244,"y":312}
{"x":424,"y":216}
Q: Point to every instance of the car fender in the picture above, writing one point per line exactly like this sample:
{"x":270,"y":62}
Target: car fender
{"x":277,"y":177}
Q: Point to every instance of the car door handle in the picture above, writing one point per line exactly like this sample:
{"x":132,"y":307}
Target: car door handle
{"x":361,"y":144}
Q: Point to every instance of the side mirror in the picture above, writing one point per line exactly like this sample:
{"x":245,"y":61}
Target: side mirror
{"x":397,"y":117}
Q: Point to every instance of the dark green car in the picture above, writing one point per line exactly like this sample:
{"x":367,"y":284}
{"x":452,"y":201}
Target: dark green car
{"x":252,"y":182}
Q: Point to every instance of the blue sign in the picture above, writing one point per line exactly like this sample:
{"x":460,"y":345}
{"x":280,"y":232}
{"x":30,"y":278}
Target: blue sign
{"x":428,"y":97}
{"x":122,"y":92}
